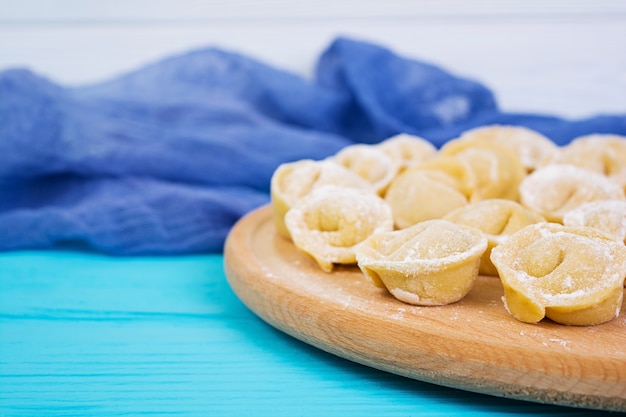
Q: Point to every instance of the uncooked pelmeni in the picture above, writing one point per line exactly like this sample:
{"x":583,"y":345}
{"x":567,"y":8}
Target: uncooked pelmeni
{"x":329,"y":221}
{"x":418,"y":195}
{"x":533,"y":149}
{"x":496,"y":170}
{"x":407,"y":150}
{"x":457,"y":172}
{"x":608,"y":216}
{"x":431,"y":263}
{"x":497,"y":219}
{"x":572,"y":275}
{"x":370,"y":163}
{"x":555,"y":189}
{"x":293,"y":180}
{"x":601,"y":153}
{"x":497,"y":173}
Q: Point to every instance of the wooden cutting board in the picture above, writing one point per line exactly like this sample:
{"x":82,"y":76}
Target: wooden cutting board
{"x":473,"y":344}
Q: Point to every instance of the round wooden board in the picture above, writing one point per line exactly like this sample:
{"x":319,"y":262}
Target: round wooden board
{"x":473,"y":344}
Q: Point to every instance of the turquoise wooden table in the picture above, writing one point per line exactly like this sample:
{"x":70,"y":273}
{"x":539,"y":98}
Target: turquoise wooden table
{"x":84,"y":334}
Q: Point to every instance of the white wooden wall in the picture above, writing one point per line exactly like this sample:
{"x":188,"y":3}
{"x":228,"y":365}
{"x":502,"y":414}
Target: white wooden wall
{"x":559,"y":57}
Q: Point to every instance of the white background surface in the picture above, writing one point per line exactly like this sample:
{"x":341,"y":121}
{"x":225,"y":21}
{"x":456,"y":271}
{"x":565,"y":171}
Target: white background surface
{"x":559,"y":57}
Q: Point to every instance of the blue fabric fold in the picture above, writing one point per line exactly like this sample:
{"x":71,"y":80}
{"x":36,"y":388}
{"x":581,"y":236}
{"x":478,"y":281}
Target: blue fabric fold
{"x":165,"y":159}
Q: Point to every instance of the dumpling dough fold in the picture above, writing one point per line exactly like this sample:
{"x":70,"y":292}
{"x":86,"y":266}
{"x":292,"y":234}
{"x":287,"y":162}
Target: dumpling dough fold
{"x":497,"y":219}
{"x":293,"y":180}
{"x":431,"y":263}
{"x":330,"y":221}
{"x":572,"y":275}
{"x":555,"y":189}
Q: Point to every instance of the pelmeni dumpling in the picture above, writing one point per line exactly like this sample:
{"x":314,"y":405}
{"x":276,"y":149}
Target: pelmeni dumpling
{"x":431,"y":263}
{"x":329,"y":221}
{"x":497,"y":219}
{"x":293,"y":180}
{"x":601,"y":153}
{"x":608,"y":216}
{"x":533,"y":149}
{"x":555,"y":189}
{"x":458,"y":173}
{"x":497,"y":172}
{"x":369,"y":163}
{"x":407,"y":150}
{"x":572,"y":275}
{"x":418,"y":195}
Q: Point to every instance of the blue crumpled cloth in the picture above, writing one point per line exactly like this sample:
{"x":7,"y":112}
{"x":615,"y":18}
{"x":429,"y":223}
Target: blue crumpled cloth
{"x":164,"y":160}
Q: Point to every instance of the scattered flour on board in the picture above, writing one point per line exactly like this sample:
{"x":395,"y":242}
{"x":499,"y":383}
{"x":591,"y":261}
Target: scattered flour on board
{"x":561,"y":342}
{"x":399,"y":313}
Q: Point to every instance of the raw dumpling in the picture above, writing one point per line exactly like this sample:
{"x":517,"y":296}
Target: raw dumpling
{"x":458,"y":173}
{"x":601,"y":153}
{"x":293,"y":180}
{"x":572,"y":275}
{"x":496,"y":171}
{"x":497,"y":219}
{"x":608,"y":216}
{"x":533,"y":149}
{"x":418,"y":195}
{"x":431,"y":263}
{"x":369,"y":163}
{"x":407,"y":150}
{"x":555,"y":189}
{"x":328,"y":222}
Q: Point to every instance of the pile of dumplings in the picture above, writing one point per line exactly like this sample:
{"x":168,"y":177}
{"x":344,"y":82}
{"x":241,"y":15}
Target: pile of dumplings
{"x":500,"y":201}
